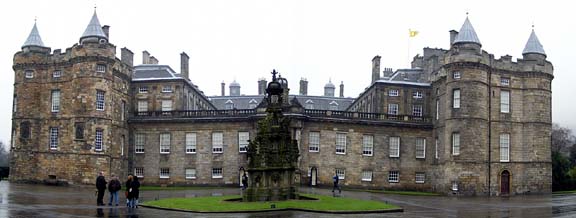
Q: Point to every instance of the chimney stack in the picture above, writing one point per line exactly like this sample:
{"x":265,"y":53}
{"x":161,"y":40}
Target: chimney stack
{"x":223,"y":86}
{"x":388,"y":73}
{"x":375,"y":68}
{"x":106,"y":30}
{"x":453,"y":34}
{"x":145,"y":57}
{"x":303,"y":86}
{"x":341,"y":89}
{"x":126,"y":56}
{"x":184,"y":67}
{"x":262,"y":86}
{"x":153,"y":60}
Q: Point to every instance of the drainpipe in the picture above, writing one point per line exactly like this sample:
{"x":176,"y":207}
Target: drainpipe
{"x":490,"y":128}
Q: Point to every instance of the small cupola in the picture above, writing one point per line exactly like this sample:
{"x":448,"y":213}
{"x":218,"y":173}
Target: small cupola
{"x":467,"y":34}
{"x":329,"y":89}
{"x":533,"y":47}
{"x":94,"y":31}
{"x":34,"y":38}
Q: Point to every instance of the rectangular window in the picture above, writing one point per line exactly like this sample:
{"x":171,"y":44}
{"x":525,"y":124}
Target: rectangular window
{"x":190,"y":143}
{"x":504,"y":81}
{"x":436,"y":148}
{"x":456,"y":75}
{"x":456,"y":98}
{"x":100,"y":100}
{"x":123,"y":110}
{"x":166,"y":88}
{"x":216,"y":173}
{"x":217,"y":142}
{"x":57,"y":74}
{"x":142,"y":106}
{"x":55,"y":100}
{"x":139,"y":140}
{"x":367,"y":145}
{"x":243,"y":138}
{"x":25,"y":130}
{"x":53,"y":138}
{"x":455,"y":143}
{"x":417,"y":94}
{"x":454,"y":186}
{"x":420,"y":177}
{"x":437,"y":109}
{"x":166,"y":105}
{"x":417,"y":110}
{"x":420,"y":148}
{"x":340,"y":143}
{"x":505,"y":101}
{"x":79,"y":130}
{"x":143,"y":89}
{"x":99,"y":140}
{"x":164,"y":143}
{"x":504,"y":147}
{"x":100,"y":68}
{"x":393,"y":109}
{"x":15,"y":104}
{"x":341,"y":174}
{"x":139,"y":172}
{"x":164,"y":173}
{"x":314,"y":142}
{"x":393,"y":92}
{"x":190,"y":173}
{"x":28,"y":74}
{"x":366,"y":175}
{"x":393,"y":176}
{"x":394,"y":147}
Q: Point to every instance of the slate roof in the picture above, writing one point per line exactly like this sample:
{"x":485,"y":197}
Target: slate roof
{"x":318,"y":102}
{"x":467,"y":34}
{"x":94,"y":29}
{"x":533,"y":45}
{"x":34,"y":38}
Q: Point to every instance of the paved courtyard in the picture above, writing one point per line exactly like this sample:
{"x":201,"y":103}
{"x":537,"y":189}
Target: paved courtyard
{"x":20,"y":200}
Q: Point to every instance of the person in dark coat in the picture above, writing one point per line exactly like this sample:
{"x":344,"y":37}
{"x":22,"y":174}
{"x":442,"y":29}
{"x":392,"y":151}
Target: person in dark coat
{"x":101,"y":187}
{"x":135,"y":191}
{"x":129,"y":193}
{"x":113,"y":188}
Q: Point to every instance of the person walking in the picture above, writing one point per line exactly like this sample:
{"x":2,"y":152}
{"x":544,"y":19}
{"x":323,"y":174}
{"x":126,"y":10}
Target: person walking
{"x":336,"y":185}
{"x":101,"y":187}
{"x":113,"y":187}
{"x":244,"y":181}
{"x":135,"y":191}
{"x":129,"y":190}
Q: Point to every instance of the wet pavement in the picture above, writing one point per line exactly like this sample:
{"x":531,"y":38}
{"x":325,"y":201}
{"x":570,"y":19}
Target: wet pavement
{"x":21,"y":200}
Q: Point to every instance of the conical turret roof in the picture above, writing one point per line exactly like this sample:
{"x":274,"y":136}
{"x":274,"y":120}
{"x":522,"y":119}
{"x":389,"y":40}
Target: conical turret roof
{"x":533,"y":45}
{"x":329,"y":84}
{"x":467,"y":34}
{"x":34,"y":38}
{"x":94,"y":29}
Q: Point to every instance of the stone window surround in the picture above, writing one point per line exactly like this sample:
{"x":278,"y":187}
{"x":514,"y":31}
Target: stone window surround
{"x":436,"y":141}
{"x":393,"y":109}
{"x":456,"y":75}
{"x":393,"y":93}
{"x":100,"y":68}
{"x":504,"y":147}
{"x":167,"y":89}
{"x":341,"y":173}
{"x":28,"y":74}
{"x":394,"y":146}
{"x":99,"y":140}
{"x":139,"y":142}
{"x":393,"y":176}
{"x":420,"y":148}
{"x":437,"y":109}
{"x":417,"y":94}
{"x":165,"y":143}
{"x":55,"y":97}
{"x":139,"y":172}
{"x":191,"y":141}
{"x":217,"y":173}
{"x":100,"y":100}
{"x":455,"y":143}
{"x":505,"y":101}
{"x":190,"y":173}
{"x":420,"y":177}
{"x":366,"y":176}
{"x":314,"y":141}
{"x":143,"y":89}
{"x":417,"y":110}
{"x":164,"y":173}
{"x":341,"y":141}
{"x":217,"y":142}
{"x":456,"y":98}
{"x":142,"y":105}
{"x":53,"y":144}
{"x":504,"y":81}
{"x":367,"y":145}
{"x":243,"y":137}
{"x":57,"y":74}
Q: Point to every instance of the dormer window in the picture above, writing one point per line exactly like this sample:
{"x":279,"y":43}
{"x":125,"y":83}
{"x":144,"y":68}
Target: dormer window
{"x":504,"y":81}
{"x":393,"y":92}
{"x":167,"y":89}
{"x":456,"y":75}
{"x":333,"y":106}
{"x":309,"y":104}
{"x":57,"y":74}
{"x":101,"y":68}
{"x":143,"y":89}
{"x":29,"y":74}
{"x":253,"y":104}
{"x":229,"y":105}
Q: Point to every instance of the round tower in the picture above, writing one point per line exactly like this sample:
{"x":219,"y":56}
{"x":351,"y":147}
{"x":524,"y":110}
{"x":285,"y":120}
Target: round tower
{"x":329,"y":89}
{"x":234,"y":88}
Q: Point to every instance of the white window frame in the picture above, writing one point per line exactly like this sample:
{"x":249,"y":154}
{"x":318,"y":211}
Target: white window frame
{"x":167,"y":89}
{"x":217,"y":173}
{"x":243,"y":138}
{"x":504,"y":147}
{"x":437,"y":109}
{"x":28,"y":74}
{"x":454,"y":186}
{"x":314,"y":142}
{"x":393,"y":93}
{"x":100,"y":100}
{"x":143,"y":89}
{"x":165,"y":143}
{"x":417,"y":110}
{"x":190,"y":173}
{"x":367,"y":145}
{"x":436,"y":141}
{"x":99,"y":140}
{"x":417,"y":94}
{"x":341,"y":173}
{"x":393,"y":109}
{"x":393,"y":176}
{"x":139,"y":172}
{"x":366,"y":176}
{"x":420,"y":148}
{"x":166,"y":105}
{"x":394,"y":146}
{"x":53,"y":144}
{"x":164,"y":173}
{"x":455,"y":143}
{"x":341,"y":139}
{"x":55,"y":99}
{"x":191,"y":142}
{"x":142,"y":105}
{"x":139,"y":141}
{"x":420,"y":178}
{"x":456,"y":75}
{"x":217,"y":142}
{"x":100,"y":68}
{"x":456,"y":98}
{"x":56,"y":74}
{"x":504,"y":81}
{"x":504,"y":101}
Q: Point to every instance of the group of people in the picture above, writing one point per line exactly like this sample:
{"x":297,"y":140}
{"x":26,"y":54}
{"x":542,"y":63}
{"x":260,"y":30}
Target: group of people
{"x":132,"y":188}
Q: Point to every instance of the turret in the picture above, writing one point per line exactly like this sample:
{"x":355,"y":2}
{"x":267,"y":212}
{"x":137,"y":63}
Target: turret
{"x":329,"y":89}
{"x":34,"y":41}
{"x":234,"y":88}
{"x":467,"y":39}
{"x":533,"y":49}
{"x":94,"y":32}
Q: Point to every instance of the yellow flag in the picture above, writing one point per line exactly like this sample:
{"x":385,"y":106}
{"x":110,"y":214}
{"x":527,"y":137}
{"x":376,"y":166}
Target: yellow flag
{"x":413,"y":33}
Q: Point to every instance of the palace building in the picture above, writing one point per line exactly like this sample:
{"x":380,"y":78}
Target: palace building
{"x":459,"y":121}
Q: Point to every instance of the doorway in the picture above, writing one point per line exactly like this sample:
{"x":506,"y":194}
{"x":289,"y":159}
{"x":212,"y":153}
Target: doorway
{"x":313,"y":176}
{"x":505,"y":183}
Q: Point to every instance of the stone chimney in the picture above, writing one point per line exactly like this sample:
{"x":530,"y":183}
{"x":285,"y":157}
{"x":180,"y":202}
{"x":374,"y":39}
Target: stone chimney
{"x":375,"y":68}
{"x":303,"y":86}
{"x":223,"y":86}
{"x":184,"y":67}
{"x":126,"y":56}
{"x":262,"y":86}
{"x":145,"y":57}
{"x":106,"y":30}
{"x":453,"y":34}
{"x":153,"y":60}
{"x":341,"y":89}
{"x":388,"y":73}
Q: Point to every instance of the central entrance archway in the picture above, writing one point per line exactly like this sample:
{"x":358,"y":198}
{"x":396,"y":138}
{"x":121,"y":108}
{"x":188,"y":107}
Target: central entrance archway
{"x":313,"y":176}
{"x":505,"y":183}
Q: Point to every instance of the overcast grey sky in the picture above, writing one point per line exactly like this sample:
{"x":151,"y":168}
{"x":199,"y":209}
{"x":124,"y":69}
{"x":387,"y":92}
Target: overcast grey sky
{"x":318,"y":40}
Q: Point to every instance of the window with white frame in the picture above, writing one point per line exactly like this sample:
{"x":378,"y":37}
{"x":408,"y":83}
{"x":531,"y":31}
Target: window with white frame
{"x":504,"y":147}
{"x":456,"y":98}
{"x":340,"y":143}
{"x":436,"y":148}
{"x":437,"y":109}
{"x":100,"y":68}
{"x":417,"y":94}
{"x":55,"y":101}
{"x":100,"y":100}
{"x":505,"y":101}
{"x":28,"y":74}
{"x":166,"y":88}
{"x":455,"y":143}
{"x":217,"y":142}
{"x":420,"y":177}
{"x":190,"y":142}
{"x":393,"y":176}
{"x":417,"y":110}
{"x":99,"y":140}
{"x":229,"y":106}
{"x":341,"y":173}
{"x":393,"y":109}
{"x":139,"y":172}
{"x":309,"y":104}
{"x":142,"y":106}
{"x":164,"y":173}
{"x":420,"y":148}
{"x":333,"y":106}
{"x":122,"y":110}
{"x":217,"y":173}
{"x":166,"y":105}
{"x":190,"y":173}
{"x":243,"y":138}
{"x":314,"y":142}
{"x":504,"y":81}
{"x":393,"y":92}
{"x":15,"y":104}
{"x":367,"y":145}
{"x":143,"y":89}
{"x":53,"y":138}
{"x":57,"y":74}
{"x":456,"y":75}
{"x":367,"y":175}
{"x":164,"y":143}
{"x":394,"y":147}
{"x":454,"y":186}
{"x":139,"y":140}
